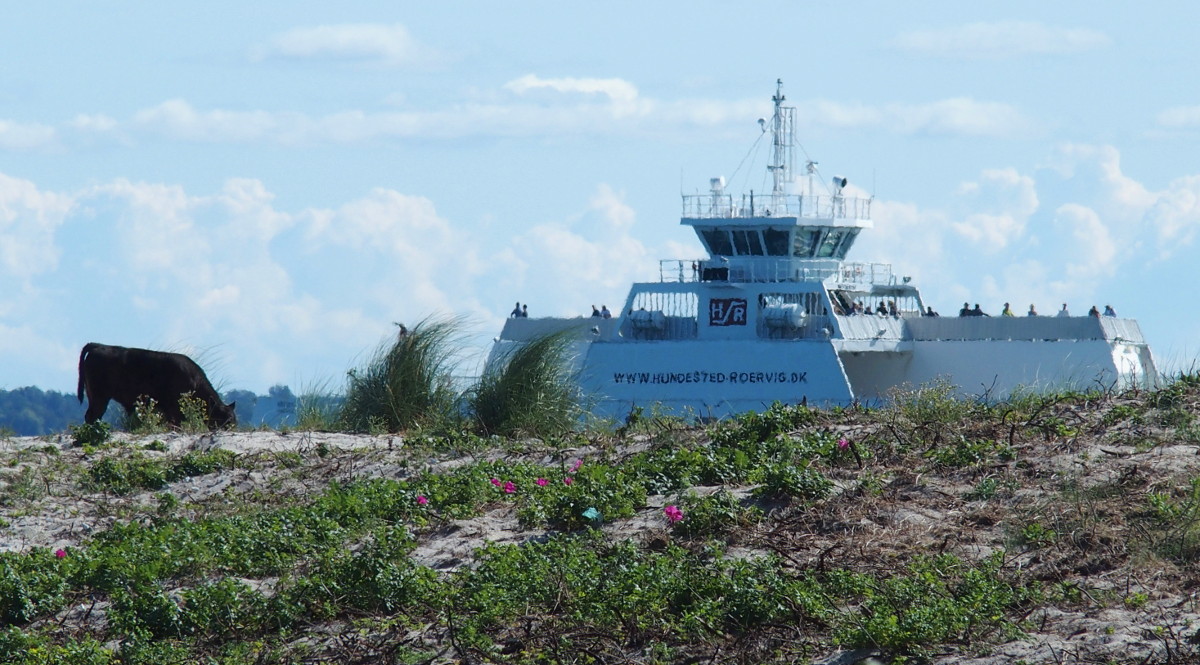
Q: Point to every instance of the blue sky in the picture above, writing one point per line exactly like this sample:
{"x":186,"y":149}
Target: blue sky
{"x":268,"y":186}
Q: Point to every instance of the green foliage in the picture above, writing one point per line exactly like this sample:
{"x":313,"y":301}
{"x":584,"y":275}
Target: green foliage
{"x":609,"y":491}
{"x":1175,"y":522}
{"x":531,"y":391}
{"x":714,"y":515}
{"x":31,"y":585}
{"x":957,"y":452}
{"x":146,"y":418}
{"x":756,"y":426}
{"x":407,"y":383}
{"x":938,"y":600}
{"x":931,"y":411}
{"x":790,"y":480}
{"x":317,"y":410}
{"x":93,"y":434}
{"x":195,"y":414}
{"x":126,"y":473}
{"x":23,"y":647}
{"x":1036,"y":535}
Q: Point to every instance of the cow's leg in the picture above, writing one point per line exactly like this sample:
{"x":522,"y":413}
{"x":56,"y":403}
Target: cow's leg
{"x":96,"y":409}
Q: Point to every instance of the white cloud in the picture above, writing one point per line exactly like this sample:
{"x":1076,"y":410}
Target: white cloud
{"x":1175,"y":215}
{"x":25,"y":136}
{"x":178,"y":119}
{"x":29,"y":220}
{"x":999,"y":205}
{"x":362,"y":42}
{"x":1180,"y":117}
{"x":617,"y":90}
{"x":98,"y":123}
{"x":1001,"y":39}
{"x":959,"y":116}
{"x":1090,"y":250}
{"x":581,"y":261}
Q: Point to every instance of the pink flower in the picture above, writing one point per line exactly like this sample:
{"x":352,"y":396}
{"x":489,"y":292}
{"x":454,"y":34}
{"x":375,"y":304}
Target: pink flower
{"x":568,"y":480}
{"x":509,"y":487}
{"x":673,"y":513}
{"x":542,"y":482}
{"x":60,"y":553}
{"x":578,"y":463}
{"x":421,"y":500}
{"x":843,"y":443}
{"x":496,"y":482}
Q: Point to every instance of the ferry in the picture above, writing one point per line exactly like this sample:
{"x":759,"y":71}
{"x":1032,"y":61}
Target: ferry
{"x":775,"y":313}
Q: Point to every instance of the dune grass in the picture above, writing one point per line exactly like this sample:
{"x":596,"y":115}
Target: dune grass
{"x":531,"y":391}
{"x":407,"y":383}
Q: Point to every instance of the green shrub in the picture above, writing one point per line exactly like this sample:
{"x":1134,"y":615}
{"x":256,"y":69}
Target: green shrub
{"x":407,"y":383}
{"x":786,"y":479}
{"x":714,"y":515}
{"x":146,"y":418}
{"x":92,"y":434}
{"x":194,"y":412}
{"x":530,"y":391}
{"x":937,"y":600}
{"x":31,"y":585}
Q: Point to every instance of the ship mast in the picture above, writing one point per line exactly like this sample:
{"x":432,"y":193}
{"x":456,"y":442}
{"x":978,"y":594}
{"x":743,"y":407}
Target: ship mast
{"x":782,"y":146}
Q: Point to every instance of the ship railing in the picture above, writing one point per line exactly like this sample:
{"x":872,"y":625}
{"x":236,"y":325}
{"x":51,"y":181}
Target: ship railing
{"x":765,"y":269}
{"x":725,"y":206}
{"x":1043,"y":328}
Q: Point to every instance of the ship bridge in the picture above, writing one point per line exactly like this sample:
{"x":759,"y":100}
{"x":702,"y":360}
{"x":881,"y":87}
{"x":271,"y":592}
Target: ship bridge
{"x":782,"y":235}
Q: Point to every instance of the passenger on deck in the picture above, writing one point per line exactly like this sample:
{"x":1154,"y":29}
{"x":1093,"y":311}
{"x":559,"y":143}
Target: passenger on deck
{"x":929,"y":311}
{"x":604,"y":312}
{"x":892,"y":310}
{"x":1063,"y":312}
{"x":595,"y":312}
{"x":1109,"y":311}
{"x":525,"y":311}
{"x":978,"y":312}
{"x":880,"y":309}
{"x":1094,"y":312}
{"x":516,"y":313}
{"x":858,"y":308}
{"x":1032,"y":311}
{"x":1007,"y":310}
{"x":966,"y":310}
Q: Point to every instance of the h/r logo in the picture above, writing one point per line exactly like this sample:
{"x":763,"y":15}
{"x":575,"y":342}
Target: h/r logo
{"x":727,"y":312}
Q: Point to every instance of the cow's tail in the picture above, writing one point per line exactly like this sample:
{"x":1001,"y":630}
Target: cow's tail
{"x":86,"y":348}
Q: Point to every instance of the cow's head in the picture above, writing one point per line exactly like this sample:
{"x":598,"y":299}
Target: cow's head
{"x":224,"y":416}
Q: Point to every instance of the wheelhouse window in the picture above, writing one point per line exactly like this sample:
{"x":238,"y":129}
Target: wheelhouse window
{"x":776,"y":241}
{"x":803,"y":242}
{"x":747,"y":243}
{"x":830,"y":244}
{"x":718,"y":242}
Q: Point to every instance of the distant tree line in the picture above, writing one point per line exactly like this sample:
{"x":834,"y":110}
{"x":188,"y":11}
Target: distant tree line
{"x":32,"y":411}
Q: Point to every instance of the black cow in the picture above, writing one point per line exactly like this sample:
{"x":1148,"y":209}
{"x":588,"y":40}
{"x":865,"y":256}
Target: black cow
{"x":128,"y":375}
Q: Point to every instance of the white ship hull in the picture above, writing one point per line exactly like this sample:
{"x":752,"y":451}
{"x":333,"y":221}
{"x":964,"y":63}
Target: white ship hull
{"x":990,"y":358}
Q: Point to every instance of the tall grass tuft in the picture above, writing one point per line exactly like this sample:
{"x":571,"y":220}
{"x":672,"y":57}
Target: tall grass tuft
{"x":408,"y":382}
{"x":318,"y":408}
{"x":532,"y":391}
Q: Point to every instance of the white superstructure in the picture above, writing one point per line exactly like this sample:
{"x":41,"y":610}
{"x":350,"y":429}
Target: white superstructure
{"x":770,"y":316}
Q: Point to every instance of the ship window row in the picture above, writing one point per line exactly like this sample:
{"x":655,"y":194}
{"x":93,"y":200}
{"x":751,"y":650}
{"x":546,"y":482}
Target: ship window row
{"x":807,"y":243}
